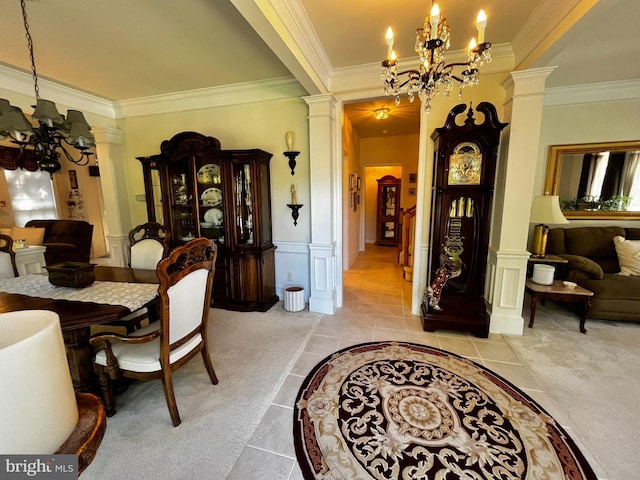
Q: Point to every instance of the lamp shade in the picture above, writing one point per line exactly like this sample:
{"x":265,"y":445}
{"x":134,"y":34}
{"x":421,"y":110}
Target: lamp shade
{"x":38,"y":409}
{"x":18,"y":123}
{"x":546,"y":210}
{"x":47,"y":112}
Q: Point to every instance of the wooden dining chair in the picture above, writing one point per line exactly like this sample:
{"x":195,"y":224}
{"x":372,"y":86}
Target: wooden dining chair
{"x":148,"y":244}
{"x":157,"y":350}
{"x":8,"y":268}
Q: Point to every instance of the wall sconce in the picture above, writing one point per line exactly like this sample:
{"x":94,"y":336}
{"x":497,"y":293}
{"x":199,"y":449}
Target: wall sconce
{"x":290,"y":153}
{"x":294,"y":205}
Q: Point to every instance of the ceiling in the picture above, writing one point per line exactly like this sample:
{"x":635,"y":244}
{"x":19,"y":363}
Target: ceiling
{"x":119,"y":50}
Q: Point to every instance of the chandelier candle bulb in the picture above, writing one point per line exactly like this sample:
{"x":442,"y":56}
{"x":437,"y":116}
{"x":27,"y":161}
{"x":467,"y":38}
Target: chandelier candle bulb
{"x":433,"y":20}
{"x":481,"y":24}
{"x":389,"y":43}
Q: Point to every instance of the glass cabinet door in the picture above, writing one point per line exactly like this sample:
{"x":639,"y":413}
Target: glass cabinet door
{"x":156,"y":192}
{"x":181,"y":205}
{"x":242,"y":187}
{"x":210,"y":194}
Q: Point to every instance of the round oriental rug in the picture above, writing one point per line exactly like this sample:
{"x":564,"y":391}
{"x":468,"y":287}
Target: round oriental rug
{"x":397,"y":410}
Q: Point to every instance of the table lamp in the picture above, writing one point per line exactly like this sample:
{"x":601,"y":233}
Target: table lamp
{"x":545,"y":209}
{"x":38,"y":409}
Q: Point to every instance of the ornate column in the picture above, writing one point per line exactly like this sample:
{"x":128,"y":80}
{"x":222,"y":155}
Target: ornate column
{"x":325,"y":266}
{"x":117,"y":218}
{"x":508,"y":255}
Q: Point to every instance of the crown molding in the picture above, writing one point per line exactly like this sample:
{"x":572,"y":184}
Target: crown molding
{"x":286,"y":29}
{"x":223,"y":96}
{"x":546,"y":24}
{"x":22,"y":83}
{"x":591,"y":93}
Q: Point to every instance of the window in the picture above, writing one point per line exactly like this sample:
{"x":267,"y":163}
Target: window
{"x":31,"y":195}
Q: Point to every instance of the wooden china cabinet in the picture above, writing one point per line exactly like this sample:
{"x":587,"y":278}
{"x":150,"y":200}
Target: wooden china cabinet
{"x":388,"y":211}
{"x":196,"y":189}
{"x":463,"y":183}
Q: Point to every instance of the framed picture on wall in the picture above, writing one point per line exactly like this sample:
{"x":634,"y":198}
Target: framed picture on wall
{"x":413,"y":177}
{"x":412,"y":191}
{"x":73,"y":180}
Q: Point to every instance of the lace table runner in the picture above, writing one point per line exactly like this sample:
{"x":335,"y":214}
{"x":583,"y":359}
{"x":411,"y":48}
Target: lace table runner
{"x":131,"y":295}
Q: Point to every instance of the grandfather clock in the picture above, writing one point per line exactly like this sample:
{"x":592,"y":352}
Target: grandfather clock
{"x":463,"y":181}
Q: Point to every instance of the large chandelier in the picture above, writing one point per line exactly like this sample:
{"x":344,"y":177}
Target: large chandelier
{"x":434,"y":74}
{"x":53,"y":132}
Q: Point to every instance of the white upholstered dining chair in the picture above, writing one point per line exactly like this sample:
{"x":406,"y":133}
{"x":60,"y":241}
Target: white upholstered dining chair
{"x":157,"y":350}
{"x":148,"y":244}
{"x":8,"y":267}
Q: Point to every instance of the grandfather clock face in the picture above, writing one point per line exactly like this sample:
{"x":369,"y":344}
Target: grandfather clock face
{"x":465,"y":164}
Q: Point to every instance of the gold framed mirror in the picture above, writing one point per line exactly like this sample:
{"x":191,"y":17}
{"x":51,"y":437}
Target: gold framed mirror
{"x":596,"y":180}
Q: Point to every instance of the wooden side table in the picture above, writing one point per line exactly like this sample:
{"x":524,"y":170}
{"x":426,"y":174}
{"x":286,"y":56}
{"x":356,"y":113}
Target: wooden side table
{"x":87,"y":436}
{"x":557,"y":292}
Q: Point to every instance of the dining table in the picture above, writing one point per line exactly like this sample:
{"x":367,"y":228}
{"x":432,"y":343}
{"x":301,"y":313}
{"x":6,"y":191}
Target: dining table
{"x":116,"y":292}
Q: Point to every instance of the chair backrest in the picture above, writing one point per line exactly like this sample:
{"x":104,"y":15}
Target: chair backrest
{"x":186,"y":279}
{"x":148,"y":244}
{"x":8,"y":267}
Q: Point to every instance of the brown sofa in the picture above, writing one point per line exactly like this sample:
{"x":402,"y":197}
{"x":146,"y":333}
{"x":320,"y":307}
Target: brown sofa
{"x":66,"y":240}
{"x":593,"y":264}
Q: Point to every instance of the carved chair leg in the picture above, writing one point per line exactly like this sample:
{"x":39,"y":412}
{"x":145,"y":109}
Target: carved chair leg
{"x":107,"y":393}
{"x":208,"y":365}
{"x":167,"y":384}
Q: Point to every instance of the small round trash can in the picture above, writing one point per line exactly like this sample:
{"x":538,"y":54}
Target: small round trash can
{"x":543,"y":274}
{"x":294,"y":299}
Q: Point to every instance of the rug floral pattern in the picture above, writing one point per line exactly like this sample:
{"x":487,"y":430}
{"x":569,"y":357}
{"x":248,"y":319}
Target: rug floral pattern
{"x":395,"y":410}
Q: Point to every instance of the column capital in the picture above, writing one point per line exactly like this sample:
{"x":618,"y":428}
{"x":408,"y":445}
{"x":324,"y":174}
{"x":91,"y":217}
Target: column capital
{"x":323,"y":104}
{"x":107,"y":135}
{"x":526,"y":82}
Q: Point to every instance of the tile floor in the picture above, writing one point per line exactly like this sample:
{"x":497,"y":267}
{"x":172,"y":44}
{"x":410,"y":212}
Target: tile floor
{"x":377,"y":306}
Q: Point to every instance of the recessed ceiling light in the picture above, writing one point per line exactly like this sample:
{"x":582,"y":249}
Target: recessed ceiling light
{"x":381,"y":113}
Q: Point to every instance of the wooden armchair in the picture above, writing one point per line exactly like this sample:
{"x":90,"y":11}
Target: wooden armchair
{"x":155,"y":351}
{"x":8,"y":267}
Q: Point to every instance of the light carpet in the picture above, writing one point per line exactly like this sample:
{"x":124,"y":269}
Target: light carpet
{"x":399,"y":410}
{"x":593,"y":380}
{"x":251,"y":353}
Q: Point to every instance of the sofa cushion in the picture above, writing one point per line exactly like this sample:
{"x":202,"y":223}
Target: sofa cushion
{"x":33,"y":235}
{"x":628,"y":255}
{"x":592,"y":242}
{"x":632,"y":233}
{"x":614,"y":287}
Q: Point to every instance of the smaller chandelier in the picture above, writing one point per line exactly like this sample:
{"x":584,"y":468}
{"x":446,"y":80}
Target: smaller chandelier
{"x":381,"y":113}
{"x":53,"y":132}
{"x":434,"y":74}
